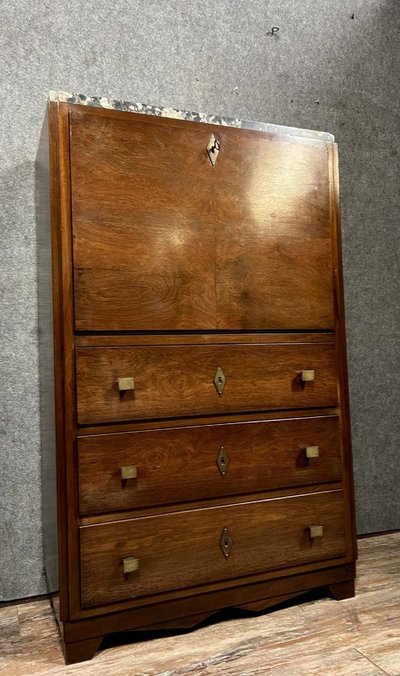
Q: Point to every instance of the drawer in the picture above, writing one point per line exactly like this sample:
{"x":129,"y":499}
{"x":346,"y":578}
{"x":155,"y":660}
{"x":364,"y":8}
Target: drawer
{"x":180,"y":380}
{"x":190,"y":548}
{"x":163,"y":240}
{"x":137,"y":469}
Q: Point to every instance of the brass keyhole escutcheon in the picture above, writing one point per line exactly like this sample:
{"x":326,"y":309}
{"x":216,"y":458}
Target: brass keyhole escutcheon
{"x":219,"y":380}
{"x":213,"y":149}
{"x":222,"y":461}
{"x":226,"y":542}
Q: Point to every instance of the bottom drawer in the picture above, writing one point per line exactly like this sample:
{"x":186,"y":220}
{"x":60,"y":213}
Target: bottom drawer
{"x":190,"y":548}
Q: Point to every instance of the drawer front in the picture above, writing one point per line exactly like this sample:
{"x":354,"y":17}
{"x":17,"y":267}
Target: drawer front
{"x":191,"y":548}
{"x":163,"y":240}
{"x":178,"y":380}
{"x":137,"y":469}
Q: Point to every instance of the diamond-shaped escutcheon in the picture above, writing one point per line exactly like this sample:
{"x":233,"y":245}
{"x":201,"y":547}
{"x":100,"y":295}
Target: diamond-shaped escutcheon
{"x":213,"y":149}
{"x":219,"y":380}
{"x":226,"y":542}
{"x":222,"y":461}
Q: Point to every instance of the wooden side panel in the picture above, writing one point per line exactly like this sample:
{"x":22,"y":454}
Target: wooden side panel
{"x":181,"y":550}
{"x":180,"y":464}
{"x":163,"y":240}
{"x":341,"y":349}
{"x":179,"y":380}
{"x":56,"y":365}
{"x":64,"y":366}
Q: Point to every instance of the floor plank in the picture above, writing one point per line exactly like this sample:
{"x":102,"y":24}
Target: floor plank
{"x":383,"y":651}
{"x":360,"y":635}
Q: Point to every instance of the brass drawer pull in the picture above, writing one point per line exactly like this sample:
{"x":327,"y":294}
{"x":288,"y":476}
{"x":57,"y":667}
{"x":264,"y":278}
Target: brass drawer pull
{"x":312,"y":452}
{"x":128,"y":472}
{"x":316,"y":531}
{"x":130,"y":564}
{"x":307,"y":376}
{"x":125,"y":384}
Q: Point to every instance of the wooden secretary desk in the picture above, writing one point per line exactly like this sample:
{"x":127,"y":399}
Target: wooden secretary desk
{"x":201,"y":445}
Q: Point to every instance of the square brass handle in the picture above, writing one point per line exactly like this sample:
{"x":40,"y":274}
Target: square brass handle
{"x":316,"y":531}
{"x":307,"y":376}
{"x":128,"y":472}
{"x":312,"y":452}
{"x":125,"y":384}
{"x":130,"y":564}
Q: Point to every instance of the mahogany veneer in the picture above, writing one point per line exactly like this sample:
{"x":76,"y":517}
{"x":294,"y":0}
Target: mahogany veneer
{"x":202,"y":452}
{"x":177,"y":550}
{"x":200,"y":257}
{"x":175,"y":380}
{"x":176,"y":464}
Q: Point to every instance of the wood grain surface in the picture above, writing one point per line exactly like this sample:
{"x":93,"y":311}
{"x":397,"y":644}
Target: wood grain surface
{"x":314,"y":635}
{"x":164,"y":240}
{"x":165,"y":268}
{"x":178,"y":464}
{"x":178,"y":380}
{"x":183,"y":549}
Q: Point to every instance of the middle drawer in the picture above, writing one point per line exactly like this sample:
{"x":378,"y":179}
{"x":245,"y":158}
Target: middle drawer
{"x":144,"y":468}
{"x":144,"y":382}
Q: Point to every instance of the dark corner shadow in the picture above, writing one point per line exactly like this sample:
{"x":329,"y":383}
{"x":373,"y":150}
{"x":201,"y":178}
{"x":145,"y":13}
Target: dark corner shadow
{"x":135,"y":636}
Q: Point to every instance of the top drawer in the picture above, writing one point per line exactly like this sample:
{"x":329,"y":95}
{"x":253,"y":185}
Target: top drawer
{"x":183,"y":380}
{"x":164,"y":240}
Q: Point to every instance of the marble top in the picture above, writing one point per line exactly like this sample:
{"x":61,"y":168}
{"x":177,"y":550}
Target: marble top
{"x":127,"y":106}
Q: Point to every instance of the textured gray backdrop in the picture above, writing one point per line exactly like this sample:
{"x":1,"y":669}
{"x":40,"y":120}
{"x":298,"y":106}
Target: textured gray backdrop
{"x":324,"y":70}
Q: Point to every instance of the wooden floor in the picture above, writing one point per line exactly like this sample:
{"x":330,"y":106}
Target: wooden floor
{"x":318,"y":636}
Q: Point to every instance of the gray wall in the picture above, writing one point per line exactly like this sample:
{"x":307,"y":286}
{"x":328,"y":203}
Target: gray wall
{"x":324,"y":70}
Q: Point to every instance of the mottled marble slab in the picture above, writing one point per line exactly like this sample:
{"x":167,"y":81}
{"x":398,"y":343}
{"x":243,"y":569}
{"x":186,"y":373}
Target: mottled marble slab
{"x":173,"y":113}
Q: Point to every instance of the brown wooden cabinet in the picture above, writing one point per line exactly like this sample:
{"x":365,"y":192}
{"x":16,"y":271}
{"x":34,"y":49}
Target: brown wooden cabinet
{"x":202,"y":453}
